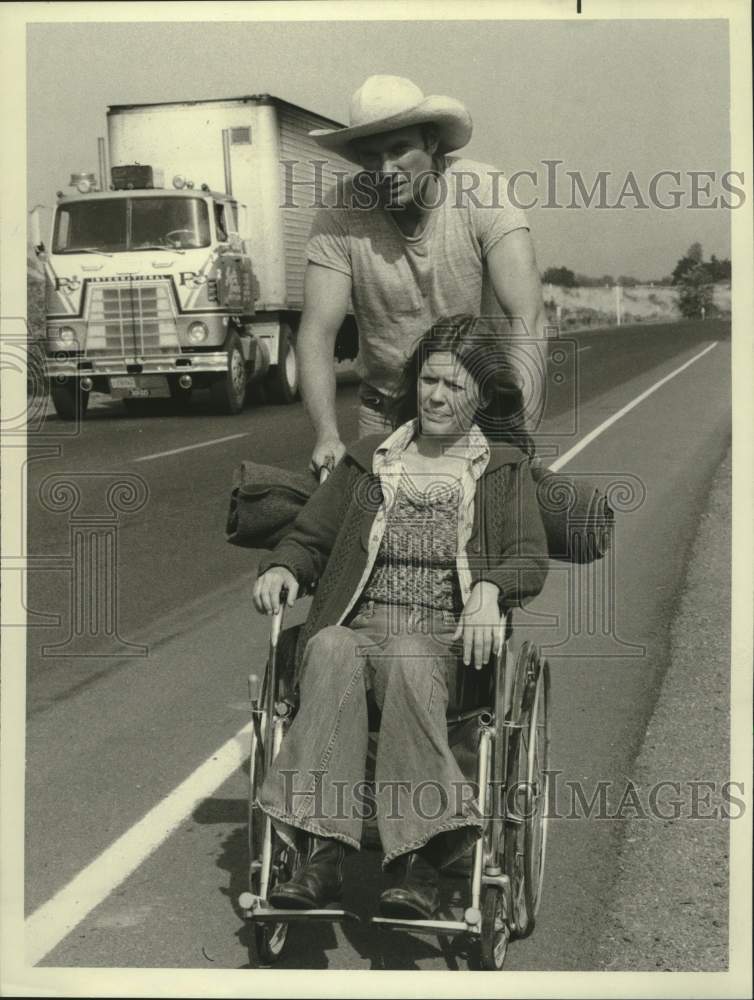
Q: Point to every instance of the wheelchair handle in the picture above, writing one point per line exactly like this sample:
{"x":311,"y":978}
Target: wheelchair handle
{"x":255,"y":687}
{"x":327,"y":468}
{"x":277,"y":619}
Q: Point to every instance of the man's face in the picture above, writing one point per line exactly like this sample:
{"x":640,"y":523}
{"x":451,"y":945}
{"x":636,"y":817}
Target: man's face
{"x":400,"y":160}
{"x":448,"y":396}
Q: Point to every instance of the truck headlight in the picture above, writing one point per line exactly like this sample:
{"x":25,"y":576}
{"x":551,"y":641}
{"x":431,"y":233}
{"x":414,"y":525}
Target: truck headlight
{"x":65,"y":333}
{"x":197,"y":332}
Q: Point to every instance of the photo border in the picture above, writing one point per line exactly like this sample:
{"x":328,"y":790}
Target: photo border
{"x":22,"y":980}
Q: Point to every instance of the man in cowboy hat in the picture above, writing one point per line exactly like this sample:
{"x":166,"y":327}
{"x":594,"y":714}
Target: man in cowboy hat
{"x":428,"y":235}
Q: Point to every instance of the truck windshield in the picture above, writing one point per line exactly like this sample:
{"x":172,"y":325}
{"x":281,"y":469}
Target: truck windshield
{"x":116,"y":224}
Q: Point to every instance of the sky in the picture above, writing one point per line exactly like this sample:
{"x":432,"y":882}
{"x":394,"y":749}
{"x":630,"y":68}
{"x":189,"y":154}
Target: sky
{"x":619,"y":96}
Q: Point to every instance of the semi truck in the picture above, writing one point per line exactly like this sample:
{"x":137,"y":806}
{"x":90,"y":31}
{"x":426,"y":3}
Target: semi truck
{"x":182,"y":268}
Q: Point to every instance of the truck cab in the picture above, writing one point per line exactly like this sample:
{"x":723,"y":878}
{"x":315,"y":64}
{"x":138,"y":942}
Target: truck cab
{"x":149,"y":293}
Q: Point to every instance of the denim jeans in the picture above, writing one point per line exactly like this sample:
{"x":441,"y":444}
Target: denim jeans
{"x":406,"y":661}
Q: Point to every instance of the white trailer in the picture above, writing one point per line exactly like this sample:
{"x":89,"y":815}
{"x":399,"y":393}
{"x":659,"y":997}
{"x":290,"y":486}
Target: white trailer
{"x":250,"y":160}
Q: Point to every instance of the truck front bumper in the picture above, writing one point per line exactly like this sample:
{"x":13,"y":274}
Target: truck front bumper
{"x":162,"y":364}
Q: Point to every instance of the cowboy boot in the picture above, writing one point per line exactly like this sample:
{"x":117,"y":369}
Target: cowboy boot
{"x":318,"y":879}
{"x":417,"y":896}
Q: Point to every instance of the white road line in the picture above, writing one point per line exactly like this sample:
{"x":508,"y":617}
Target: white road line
{"x":56,"y":918}
{"x":190,"y":447}
{"x":560,"y":462}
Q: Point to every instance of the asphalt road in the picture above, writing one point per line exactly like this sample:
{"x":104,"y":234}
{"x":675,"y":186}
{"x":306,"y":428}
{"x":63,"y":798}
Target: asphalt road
{"x":109,"y":737}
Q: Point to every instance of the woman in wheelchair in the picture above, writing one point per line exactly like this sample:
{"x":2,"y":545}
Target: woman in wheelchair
{"x":417,"y":543}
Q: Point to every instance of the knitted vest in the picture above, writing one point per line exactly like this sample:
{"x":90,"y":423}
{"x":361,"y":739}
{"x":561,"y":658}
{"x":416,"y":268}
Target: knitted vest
{"x":416,"y":560}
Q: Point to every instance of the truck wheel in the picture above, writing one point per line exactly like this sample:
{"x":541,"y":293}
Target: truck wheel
{"x":282,"y":382}
{"x":229,"y":390}
{"x":69,"y":400}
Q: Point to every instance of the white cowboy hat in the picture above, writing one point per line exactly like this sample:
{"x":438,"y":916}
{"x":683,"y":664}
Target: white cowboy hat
{"x":384,"y":103}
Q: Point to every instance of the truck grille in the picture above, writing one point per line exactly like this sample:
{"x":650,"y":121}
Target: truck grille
{"x":131,"y":318}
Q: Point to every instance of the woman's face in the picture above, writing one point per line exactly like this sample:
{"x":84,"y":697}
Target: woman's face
{"x":447,"y":396}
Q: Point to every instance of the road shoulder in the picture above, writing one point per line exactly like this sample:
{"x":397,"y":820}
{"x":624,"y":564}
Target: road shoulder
{"x":670,"y":901}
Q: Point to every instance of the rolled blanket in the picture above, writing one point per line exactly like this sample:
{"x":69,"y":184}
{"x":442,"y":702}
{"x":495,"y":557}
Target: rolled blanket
{"x":264,"y":502}
{"x":577,"y":517}
{"x":576,"y":514}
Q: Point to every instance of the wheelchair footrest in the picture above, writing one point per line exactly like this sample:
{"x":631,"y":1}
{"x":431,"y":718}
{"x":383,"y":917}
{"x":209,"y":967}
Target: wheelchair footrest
{"x":265,"y":914}
{"x":425,"y":926}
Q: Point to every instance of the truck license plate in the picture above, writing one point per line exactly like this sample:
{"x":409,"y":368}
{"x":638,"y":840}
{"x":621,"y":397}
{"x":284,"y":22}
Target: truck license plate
{"x":139,"y":387}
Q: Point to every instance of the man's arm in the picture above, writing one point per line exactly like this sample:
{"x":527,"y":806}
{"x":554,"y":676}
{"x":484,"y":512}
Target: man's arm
{"x":513,"y":270}
{"x":326,"y":294}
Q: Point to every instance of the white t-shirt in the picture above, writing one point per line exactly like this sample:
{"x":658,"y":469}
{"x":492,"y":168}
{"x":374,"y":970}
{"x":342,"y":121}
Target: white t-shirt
{"x":401,"y":285}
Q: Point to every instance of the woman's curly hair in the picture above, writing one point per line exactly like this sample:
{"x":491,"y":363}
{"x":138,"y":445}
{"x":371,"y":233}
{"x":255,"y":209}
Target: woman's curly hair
{"x":501,"y":413}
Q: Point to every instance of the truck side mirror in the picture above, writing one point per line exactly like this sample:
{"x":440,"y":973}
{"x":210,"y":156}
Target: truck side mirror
{"x":35,"y":230}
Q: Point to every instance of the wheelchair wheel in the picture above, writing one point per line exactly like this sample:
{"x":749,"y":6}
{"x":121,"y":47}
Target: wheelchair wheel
{"x":493,"y":942}
{"x":537,"y":781}
{"x":267,"y":940}
{"x":527,"y":788}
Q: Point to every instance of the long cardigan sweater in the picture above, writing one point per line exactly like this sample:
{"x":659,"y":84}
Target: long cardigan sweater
{"x":327,"y":545}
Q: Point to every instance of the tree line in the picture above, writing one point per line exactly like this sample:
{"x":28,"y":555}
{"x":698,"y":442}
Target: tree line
{"x":693,"y":277}
{"x":692,"y":263}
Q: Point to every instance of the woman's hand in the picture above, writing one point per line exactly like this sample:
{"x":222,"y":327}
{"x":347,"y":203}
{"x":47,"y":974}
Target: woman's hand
{"x":479,"y":625}
{"x":268,"y":590}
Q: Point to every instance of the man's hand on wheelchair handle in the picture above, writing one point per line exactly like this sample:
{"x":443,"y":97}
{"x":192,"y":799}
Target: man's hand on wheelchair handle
{"x":479,"y":625}
{"x":328,"y":451}
{"x":269,"y":587}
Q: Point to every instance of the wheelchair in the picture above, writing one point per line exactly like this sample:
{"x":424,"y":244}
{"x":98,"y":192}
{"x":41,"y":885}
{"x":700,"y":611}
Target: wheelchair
{"x":506,"y":708}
